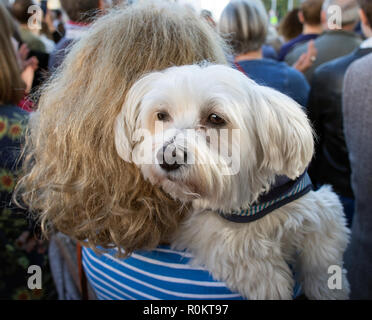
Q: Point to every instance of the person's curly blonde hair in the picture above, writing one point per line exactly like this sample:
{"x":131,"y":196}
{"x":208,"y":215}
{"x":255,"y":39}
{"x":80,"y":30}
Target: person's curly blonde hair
{"x":73,"y":177}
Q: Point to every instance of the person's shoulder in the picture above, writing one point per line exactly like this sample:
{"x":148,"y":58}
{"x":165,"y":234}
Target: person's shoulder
{"x":63,"y":43}
{"x":294,"y":76}
{"x":286,"y":48}
{"x":298,"y":77}
{"x":32,"y":40}
{"x":250,"y":66}
{"x":290,"y":43}
{"x":295,"y":52}
{"x":356,"y":38}
{"x":269,"y":52}
{"x":267,"y":65}
{"x":362,"y":65}
{"x":15,"y":118}
{"x":331,"y":65}
{"x":360,"y":70}
{"x":13,"y":123}
{"x":297,"y":41}
{"x":290,"y":70}
{"x":323,"y":75}
{"x":298,"y":49}
{"x":341,"y":37}
{"x":13,"y":111}
{"x":58,"y":54}
{"x":335,"y":66}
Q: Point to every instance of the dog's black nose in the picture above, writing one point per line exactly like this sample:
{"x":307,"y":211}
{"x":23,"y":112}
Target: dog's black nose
{"x":169,"y":167}
{"x":169,"y":158}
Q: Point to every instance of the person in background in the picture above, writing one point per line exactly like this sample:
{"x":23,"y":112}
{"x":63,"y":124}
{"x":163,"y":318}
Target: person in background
{"x":46,"y":37}
{"x":35,"y":45}
{"x":290,"y":26}
{"x":81,"y":14}
{"x":207,"y":15}
{"x":27,"y":61}
{"x":331,"y":162}
{"x":273,"y":40}
{"x":58,"y":23}
{"x":337,"y":40}
{"x":116,"y":50}
{"x":268,"y":51}
{"x":245,"y":24}
{"x":19,"y":10}
{"x":51,"y":29}
{"x":357,"y":118}
{"x":309,"y":17}
{"x":19,"y":246}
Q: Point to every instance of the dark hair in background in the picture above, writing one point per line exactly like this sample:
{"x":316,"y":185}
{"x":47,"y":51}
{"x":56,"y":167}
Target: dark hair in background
{"x":291,"y":27}
{"x":57,"y":13}
{"x":311,"y":10}
{"x":80,"y":11}
{"x":366,"y":6}
{"x":19,"y":10}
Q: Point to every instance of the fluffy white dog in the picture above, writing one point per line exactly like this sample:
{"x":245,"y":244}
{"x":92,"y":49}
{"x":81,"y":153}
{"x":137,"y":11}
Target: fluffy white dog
{"x":239,"y":153}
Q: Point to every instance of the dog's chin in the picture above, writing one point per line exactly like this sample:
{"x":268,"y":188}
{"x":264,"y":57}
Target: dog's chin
{"x":179,"y":191}
{"x":179,"y":188}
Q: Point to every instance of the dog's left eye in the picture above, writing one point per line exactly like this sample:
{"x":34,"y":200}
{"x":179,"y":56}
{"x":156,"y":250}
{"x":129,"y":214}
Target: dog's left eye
{"x":216,"y":119}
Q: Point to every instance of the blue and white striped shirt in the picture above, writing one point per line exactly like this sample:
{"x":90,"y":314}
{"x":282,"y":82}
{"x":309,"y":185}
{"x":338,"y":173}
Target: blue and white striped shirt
{"x":159,"y":274}
{"x":162,"y":274}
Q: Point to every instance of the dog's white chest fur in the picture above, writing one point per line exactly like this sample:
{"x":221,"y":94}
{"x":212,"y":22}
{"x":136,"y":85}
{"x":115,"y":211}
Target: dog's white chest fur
{"x":253,"y":259}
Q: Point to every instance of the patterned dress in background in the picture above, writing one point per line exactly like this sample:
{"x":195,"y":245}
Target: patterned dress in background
{"x":20,"y":244}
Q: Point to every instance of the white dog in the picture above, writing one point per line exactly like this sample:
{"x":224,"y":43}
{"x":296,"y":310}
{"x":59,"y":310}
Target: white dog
{"x":239,"y":152}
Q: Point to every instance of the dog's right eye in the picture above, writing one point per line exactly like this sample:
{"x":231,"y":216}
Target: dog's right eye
{"x":162,"y":116}
{"x":216,"y":120}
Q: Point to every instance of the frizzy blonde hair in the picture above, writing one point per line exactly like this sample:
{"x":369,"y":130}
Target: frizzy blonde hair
{"x":73,"y":176}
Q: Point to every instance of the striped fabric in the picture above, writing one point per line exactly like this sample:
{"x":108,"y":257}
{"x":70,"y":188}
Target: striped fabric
{"x":277,"y":197}
{"x":254,"y":209}
{"x":161,"y":274}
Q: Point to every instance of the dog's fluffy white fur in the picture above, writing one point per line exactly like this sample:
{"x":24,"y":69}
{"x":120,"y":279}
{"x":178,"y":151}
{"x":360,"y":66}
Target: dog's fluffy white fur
{"x":275,"y":138}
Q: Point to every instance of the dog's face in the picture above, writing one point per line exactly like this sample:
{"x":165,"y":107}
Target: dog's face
{"x":210,"y":133}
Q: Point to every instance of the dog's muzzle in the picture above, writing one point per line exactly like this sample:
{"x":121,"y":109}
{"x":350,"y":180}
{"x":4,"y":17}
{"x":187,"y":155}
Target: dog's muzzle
{"x":171,"y":158}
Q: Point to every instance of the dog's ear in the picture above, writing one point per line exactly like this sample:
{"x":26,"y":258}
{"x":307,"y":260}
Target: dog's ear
{"x":127,"y":121}
{"x":285,"y":141}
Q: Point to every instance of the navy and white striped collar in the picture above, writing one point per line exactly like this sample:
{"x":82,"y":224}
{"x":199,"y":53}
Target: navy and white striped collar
{"x":283,"y":191}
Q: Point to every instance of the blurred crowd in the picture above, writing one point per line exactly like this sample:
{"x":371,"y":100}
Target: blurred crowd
{"x":321,"y":59}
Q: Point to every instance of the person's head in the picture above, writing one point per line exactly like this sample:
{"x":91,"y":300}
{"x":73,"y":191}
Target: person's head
{"x":244,"y":24}
{"x":310,"y":11}
{"x":73,"y":174}
{"x":365,"y":13}
{"x":81,"y":11}
{"x":290,"y":27}
{"x":20,"y":12}
{"x":11,"y":85}
{"x":340,"y":14}
{"x":57,"y":14}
